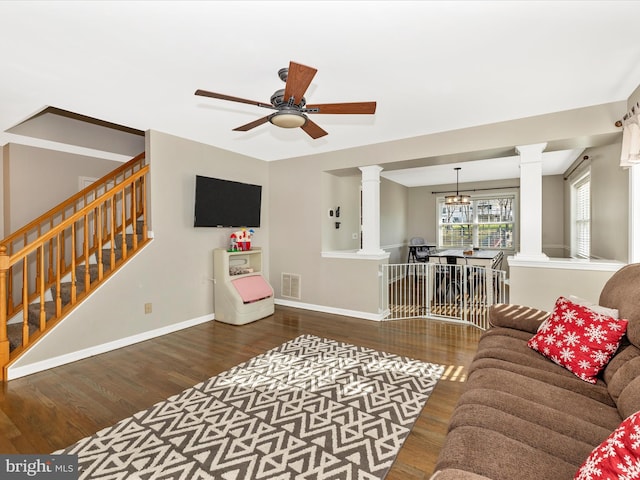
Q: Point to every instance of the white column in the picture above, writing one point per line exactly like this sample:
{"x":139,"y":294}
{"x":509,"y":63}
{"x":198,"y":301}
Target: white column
{"x":371,"y":210}
{"x":634,"y":213}
{"x":531,"y":202}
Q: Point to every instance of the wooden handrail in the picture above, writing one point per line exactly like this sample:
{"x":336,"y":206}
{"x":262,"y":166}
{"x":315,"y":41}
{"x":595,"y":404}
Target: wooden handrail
{"x":118,"y":202}
{"x":66,"y":223}
{"x":69,"y":202}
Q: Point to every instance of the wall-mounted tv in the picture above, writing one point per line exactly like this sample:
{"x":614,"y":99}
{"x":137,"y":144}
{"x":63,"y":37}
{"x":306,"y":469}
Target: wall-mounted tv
{"x":224,"y":203}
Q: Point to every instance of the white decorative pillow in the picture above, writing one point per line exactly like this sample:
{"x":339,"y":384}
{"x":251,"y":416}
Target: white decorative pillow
{"x":609,"y":312}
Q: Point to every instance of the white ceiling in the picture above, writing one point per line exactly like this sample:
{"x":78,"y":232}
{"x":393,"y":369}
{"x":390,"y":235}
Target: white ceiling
{"x":431,"y":66}
{"x":553,"y":163}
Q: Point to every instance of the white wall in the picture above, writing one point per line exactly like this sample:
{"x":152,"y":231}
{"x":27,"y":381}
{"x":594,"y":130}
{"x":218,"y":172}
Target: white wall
{"x":343,"y":192}
{"x":174,"y":272}
{"x":609,"y":204}
{"x":37,"y":179}
{"x":298,"y":201}
{"x":539,"y":286}
{"x":552,"y":216}
{"x":394,"y":215}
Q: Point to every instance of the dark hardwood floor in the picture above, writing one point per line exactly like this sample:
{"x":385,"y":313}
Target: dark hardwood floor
{"x":50,"y":410}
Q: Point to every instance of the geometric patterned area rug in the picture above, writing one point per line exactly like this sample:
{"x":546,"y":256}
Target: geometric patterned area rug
{"x":312,"y":409}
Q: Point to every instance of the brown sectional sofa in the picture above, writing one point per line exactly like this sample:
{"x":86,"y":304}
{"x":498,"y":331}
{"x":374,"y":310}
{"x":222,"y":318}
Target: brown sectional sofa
{"x":524,"y":417}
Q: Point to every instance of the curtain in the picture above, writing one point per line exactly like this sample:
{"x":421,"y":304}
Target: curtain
{"x":630,"y":153}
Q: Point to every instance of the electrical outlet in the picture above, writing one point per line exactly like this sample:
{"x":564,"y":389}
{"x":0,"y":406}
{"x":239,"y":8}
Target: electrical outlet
{"x":147,"y":308}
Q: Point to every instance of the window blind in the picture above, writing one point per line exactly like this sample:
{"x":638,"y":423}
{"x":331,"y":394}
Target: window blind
{"x":582,"y":216}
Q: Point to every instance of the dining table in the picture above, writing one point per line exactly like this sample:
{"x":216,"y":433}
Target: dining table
{"x":479,"y":257}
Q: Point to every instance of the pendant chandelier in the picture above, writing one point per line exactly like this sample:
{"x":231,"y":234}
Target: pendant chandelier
{"x":457,"y":199}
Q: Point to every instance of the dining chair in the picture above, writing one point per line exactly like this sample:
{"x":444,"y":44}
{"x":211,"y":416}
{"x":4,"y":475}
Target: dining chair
{"x":448,"y":279}
{"x":420,"y":251}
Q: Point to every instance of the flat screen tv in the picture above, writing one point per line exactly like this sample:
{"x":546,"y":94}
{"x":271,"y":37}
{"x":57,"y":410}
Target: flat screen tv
{"x":223,"y":203}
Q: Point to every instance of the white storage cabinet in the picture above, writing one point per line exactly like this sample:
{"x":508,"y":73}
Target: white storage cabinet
{"x":229,"y":304}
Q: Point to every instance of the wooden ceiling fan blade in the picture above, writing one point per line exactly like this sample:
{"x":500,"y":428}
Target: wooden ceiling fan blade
{"x":251,"y":125}
{"x":205,"y":93}
{"x":313,"y":129}
{"x":340,"y":108}
{"x":298,"y":80}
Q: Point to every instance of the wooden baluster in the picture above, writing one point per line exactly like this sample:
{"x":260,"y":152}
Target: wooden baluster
{"x":124,"y":227}
{"x":95,"y":225}
{"x":98,"y":215}
{"x":105,"y":217}
{"x":112,"y":233}
{"x":25,"y":301}
{"x":62,"y":265}
{"x":143,"y":196}
{"x":87,"y":275}
{"x":134,"y":218}
{"x":4,"y":340}
{"x":38,"y":272}
{"x":73,"y":264}
{"x":58,"y":283}
{"x":41,"y":280}
{"x":51,"y":271}
{"x":10,"y":305}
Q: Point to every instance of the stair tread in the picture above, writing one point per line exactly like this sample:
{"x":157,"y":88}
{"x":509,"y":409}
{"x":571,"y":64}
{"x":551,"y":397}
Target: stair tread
{"x":14,"y":330}
{"x":14,"y":334}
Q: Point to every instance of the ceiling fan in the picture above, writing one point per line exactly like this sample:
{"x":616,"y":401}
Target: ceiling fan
{"x":290,"y":106}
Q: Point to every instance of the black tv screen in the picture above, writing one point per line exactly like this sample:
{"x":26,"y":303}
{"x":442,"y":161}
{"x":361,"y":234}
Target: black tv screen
{"x":223,"y":203}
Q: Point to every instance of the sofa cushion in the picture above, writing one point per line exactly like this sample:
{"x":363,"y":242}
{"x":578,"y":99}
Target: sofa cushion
{"x":624,"y":376}
{"x":569,"y":424}
{"x":496,"y":456}
{"x":558,"y":377}
{"x":625,"y":352}
{"x":629,"y":400}
{"x":455,"y":474}
{"x":517,"y":317}
{"x":621,"y":292}
{"x":579,"y":339}
{"x":537,"y":391}
{"x":540,"y":437}
{"x":616,"y":457}
{"x":507,"y":348}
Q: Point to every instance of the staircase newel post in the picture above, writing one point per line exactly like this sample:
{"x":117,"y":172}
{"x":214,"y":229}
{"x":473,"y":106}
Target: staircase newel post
{"x":4,"y":341}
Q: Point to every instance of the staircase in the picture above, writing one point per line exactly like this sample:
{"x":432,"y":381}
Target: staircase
{"x":52,"y":264}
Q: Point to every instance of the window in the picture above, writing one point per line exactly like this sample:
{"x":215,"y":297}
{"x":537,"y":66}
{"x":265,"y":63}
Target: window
{"x":581,"y":217}
{"x":488,"y":222}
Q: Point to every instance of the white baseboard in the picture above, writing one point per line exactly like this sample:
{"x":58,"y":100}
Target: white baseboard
{"x":17,"y":372}
{"x":378,"y":317}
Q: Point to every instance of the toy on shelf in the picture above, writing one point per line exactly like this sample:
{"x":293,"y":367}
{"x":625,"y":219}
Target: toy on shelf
{"x":240,"y":241}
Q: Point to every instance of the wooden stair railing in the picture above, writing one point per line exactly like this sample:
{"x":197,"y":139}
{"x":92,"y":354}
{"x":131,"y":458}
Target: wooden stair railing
{"x":105,"y":222}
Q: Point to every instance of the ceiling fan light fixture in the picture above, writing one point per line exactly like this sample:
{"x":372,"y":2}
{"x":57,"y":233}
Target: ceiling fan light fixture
{"x":288,"y":119}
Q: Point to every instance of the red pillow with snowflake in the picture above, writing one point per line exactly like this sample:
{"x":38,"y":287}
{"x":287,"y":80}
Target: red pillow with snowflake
{"x":618,"y":456}
{"x":579,"y":339}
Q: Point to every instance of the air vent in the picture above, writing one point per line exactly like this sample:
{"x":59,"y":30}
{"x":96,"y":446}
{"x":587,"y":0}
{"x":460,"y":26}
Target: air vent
{"x":290,"y":285}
